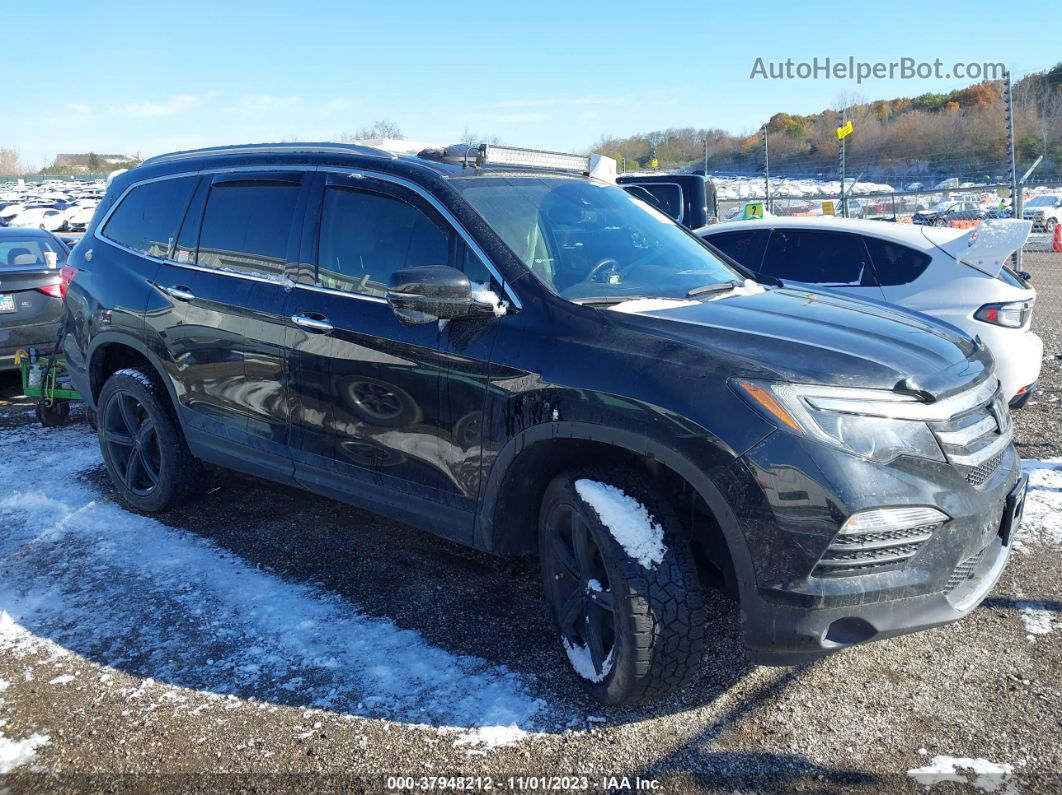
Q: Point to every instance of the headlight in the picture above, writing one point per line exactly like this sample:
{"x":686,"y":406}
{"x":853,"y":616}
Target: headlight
{"x":866,"y":422}
{"x":1012,"y":315}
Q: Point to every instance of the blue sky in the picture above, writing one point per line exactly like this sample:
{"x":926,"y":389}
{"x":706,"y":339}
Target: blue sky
{"x":152,"y":77}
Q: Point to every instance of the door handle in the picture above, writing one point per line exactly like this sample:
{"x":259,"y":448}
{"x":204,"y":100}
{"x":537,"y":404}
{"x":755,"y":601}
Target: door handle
{"x":179,"y":292}
{"x":318,"y":325}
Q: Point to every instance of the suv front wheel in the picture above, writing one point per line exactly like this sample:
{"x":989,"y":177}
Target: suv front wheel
{"x":621,"y":583}
{"x":144,"y":451}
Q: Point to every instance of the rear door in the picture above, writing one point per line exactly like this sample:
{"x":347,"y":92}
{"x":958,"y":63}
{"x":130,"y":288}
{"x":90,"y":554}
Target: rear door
{"x":215,"y":314}
{"x":835,"y":260}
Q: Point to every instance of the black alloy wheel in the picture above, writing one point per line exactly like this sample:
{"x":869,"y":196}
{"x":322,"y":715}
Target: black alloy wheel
{"x":132,"y":441}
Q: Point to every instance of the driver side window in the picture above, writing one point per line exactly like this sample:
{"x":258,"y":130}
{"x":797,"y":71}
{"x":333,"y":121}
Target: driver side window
{"x":366,"y":236}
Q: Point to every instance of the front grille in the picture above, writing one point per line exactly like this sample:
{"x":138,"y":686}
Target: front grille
{"x":963,"y":572}
{"x":976,"y":476}
{"x":976,"y":440}
{"x":860,"y":553}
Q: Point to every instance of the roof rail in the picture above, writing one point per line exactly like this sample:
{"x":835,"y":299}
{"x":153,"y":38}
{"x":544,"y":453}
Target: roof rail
{"x":285,"y":148}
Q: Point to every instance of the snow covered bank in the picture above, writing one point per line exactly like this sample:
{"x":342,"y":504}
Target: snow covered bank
{"x":129,"y":592}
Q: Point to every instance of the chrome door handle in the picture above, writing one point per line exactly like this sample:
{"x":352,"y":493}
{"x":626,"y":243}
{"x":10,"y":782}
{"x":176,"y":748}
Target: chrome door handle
{"x":318,"y":325}
{"x":179,"y":292}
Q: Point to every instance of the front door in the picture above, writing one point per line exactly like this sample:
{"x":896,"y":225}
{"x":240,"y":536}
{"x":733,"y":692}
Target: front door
{"x":371,"y":414}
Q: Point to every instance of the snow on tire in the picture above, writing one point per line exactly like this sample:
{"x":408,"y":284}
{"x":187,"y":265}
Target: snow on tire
{"x":621,"y":584}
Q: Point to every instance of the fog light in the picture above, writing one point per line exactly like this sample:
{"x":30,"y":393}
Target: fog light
{"x":881,"y":519}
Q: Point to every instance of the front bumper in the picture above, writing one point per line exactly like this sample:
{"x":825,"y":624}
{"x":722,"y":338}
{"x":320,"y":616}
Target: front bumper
{"x":794,"y":613}
{"x":799,"y":635}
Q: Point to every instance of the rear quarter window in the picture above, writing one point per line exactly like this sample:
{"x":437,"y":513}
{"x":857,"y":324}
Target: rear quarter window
{"x":146,"y":220}
{"x":896,"y":264}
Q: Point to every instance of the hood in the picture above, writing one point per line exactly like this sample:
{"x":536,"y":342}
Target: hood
{"x":814,"y":337}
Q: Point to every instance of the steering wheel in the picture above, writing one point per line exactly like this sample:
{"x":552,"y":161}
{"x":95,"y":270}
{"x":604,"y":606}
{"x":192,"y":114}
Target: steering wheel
{"x":608,"y":264}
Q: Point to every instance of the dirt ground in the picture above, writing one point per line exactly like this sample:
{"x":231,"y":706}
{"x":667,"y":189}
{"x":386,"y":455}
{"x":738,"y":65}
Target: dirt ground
{"x":986,"y":691}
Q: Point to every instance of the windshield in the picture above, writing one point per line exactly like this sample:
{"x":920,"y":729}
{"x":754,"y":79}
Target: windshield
{"x":589,"y":240}
{"x":1043,"y":201}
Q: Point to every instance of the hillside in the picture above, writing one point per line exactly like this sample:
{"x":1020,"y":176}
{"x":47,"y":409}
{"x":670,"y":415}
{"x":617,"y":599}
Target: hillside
{"x":961,"y":134}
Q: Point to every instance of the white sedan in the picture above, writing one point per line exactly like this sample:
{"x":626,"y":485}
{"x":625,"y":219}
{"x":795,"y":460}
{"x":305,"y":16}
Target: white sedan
{"x":39,"y":218}
{"x":958,"y":276}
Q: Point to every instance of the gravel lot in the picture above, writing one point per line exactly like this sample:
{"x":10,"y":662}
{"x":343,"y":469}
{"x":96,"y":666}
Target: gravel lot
{"x":147,"y":664}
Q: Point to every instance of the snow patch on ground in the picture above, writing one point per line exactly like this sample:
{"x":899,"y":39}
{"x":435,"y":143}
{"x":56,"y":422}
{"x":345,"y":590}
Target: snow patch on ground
{"x":1038,"y":618}
{"x":1042,"y":520}
{"x":979,"y":773}
{"x":62,"y":680}
{"x":627,"y":519}
{"x":80,"y":574}
{"x":492,"y":736}
{"x":18,"y":752}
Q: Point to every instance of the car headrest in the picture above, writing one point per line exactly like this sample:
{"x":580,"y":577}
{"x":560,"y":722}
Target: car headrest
{"x":17,"y":256}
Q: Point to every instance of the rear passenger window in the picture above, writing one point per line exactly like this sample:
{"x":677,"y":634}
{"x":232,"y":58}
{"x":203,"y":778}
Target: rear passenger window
{"x":895,"y":264}
{"x":246,"y":226}
{"x":147,"y":218}
{"x":367,"y":236}
{"x":827,"y":258}
{"x":745,"y":248}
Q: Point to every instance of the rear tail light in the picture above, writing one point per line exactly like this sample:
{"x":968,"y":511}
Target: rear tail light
{"x":66,"y":276}
{"x":1012,"y":315}
{"x":54,"y":290}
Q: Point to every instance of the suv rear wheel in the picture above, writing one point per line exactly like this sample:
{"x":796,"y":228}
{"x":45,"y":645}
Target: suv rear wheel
{"x":621,"y":584}
{"x":144,"y":451}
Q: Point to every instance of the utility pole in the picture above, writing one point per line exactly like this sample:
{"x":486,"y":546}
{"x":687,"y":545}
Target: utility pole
{"x":766,"y":171}
{"x":1016,"y":198}
{"x":706,"y":157}
{"x":844,"y":197}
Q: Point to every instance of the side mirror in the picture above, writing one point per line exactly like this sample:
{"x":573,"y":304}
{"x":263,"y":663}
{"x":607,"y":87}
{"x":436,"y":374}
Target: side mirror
{"x":430,"y":293}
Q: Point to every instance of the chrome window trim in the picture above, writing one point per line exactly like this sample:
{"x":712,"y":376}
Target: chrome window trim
{"x":405,"y":183}
{"x":376,"y":299}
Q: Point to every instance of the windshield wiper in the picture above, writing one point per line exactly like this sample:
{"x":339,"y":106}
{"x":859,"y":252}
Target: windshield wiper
{"x":718,"y":287}
{"x":605,"y":300}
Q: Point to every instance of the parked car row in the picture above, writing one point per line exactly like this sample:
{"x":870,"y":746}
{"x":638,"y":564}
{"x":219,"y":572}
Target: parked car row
{"x":494,"y":346}
{"x":55,"y":206}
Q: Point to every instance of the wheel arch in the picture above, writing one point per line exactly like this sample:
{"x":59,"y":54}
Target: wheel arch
{"x":110,"y":352}
{"x":507,"y":518}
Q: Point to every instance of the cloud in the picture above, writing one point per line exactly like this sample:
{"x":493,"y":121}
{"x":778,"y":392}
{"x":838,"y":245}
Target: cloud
{"x":77,"y":107}
{"x":173,"y":106}
{"x":588,"y":115}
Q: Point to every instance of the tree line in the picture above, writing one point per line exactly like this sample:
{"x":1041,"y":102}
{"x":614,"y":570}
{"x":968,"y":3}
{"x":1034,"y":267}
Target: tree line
{"x":960,"y":133}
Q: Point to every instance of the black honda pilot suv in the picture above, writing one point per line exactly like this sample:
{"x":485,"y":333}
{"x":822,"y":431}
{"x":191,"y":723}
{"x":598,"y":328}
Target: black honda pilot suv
{"x":493,"y":345}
